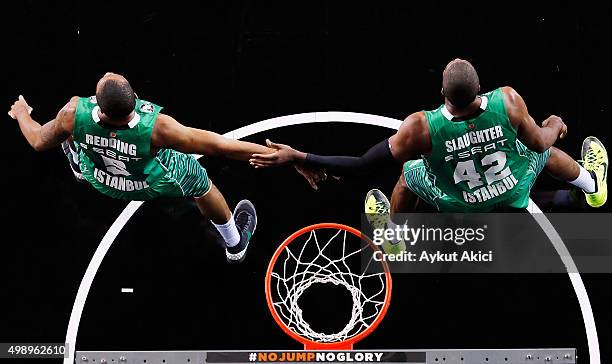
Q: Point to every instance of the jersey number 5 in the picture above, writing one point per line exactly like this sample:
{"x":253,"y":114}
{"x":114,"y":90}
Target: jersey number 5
{"x":465,"y":170}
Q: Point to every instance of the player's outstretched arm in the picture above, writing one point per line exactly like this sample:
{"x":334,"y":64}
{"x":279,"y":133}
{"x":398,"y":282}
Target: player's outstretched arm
{"x":49,"y":135}
{"x":534,"y":137}
{"x":169,"y":133}
{"x":409,"y":141}
{"x":336,"y":165}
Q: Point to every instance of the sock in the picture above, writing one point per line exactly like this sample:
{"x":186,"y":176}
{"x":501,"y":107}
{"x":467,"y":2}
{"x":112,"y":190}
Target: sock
{"x":229,"y":232}
{"x":585,"y":181}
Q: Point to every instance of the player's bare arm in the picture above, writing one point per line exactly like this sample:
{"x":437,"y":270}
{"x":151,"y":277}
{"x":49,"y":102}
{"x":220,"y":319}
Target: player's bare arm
{"x":169,"y":133}
{"x":49,"y":135}
{"x":533,"y":136}
{"x":412,"y":138}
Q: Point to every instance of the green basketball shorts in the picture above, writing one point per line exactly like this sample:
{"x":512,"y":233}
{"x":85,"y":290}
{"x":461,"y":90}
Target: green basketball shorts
{"x":422,"y":182}
{"x":184,"y":177}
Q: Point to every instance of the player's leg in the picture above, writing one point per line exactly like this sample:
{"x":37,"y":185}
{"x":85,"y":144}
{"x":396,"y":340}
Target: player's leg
{"x":213,"y":206}
{"x":412,"y":185}
{"x":186,"y":177}
{"x":590,"y":176}
{"x":237,"y":228}
{"x":564,"y":168}
{"x":402,"y":199}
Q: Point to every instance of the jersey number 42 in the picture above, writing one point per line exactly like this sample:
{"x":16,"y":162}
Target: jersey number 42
{"x":466,"y":171}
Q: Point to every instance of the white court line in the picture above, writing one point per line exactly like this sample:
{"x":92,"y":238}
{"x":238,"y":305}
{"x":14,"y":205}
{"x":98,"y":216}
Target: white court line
{"x":324,"y":117}
{"x":127,"y":290}
{"x":579,"y":288}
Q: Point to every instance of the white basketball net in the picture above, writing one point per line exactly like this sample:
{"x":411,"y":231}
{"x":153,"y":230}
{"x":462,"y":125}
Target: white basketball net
{"x":313,"y":262}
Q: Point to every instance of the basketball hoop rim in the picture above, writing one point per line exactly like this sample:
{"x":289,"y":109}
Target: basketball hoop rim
{"x":310,"y":344}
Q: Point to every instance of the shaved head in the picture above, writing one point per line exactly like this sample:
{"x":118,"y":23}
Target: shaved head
{"x":115,"y":96}
{"x":460,"y":83}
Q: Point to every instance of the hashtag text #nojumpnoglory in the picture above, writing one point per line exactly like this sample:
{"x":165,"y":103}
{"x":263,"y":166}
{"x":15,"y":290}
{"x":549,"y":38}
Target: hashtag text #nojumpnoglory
{"x":317,"y":357}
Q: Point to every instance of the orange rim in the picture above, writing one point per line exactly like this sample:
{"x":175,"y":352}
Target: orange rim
{"x":310,"y":344}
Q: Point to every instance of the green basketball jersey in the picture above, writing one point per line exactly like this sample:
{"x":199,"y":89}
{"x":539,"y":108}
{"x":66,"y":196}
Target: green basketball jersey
{"x":477,"y":161}
{"x":117,"y":162}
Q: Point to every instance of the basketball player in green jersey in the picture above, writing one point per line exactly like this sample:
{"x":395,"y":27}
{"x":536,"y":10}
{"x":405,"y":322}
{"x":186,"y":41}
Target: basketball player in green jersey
{"x":473,"y":154}
{"x":125,"y":148}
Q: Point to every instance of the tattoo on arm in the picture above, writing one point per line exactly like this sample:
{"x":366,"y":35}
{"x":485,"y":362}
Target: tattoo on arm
{"x":57,"y":130}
